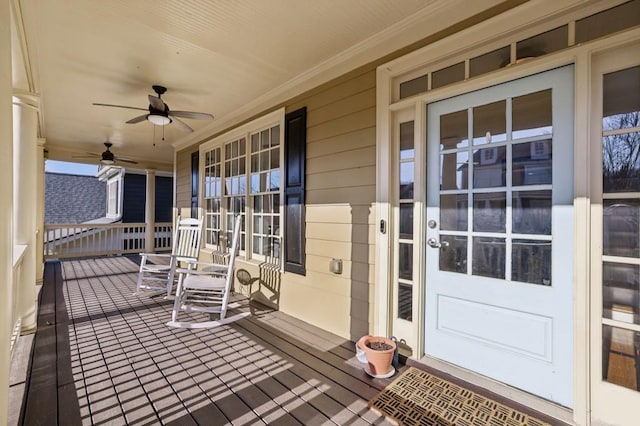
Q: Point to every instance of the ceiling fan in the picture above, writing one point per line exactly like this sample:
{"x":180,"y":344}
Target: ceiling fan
{"x":160,"y":114}
{"x":107,"y":157}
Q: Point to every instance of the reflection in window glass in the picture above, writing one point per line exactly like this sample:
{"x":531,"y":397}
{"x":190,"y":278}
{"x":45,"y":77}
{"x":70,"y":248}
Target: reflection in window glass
{"x":621,"y":162}
{"x":532,"y":115}
{"x":405,"y":301}
{"x":406,"y":140}
{"x":619,"y":352}
{"x":406,"y":221}
{"x":406,"y":181}
{"x":455,"y":169}
{"x":532,"y":163}
{"x":621,"y":233}
{"x":489,"y":212}
{"x":531,"y":212}
{"x":405,"y":261}
{"x":489,"y":257}
{"x":489,"y":167}
{"x":531,"y":261}
{"x":490,"y":123}
{"x":413,"y":87}
{"x":621,"y":99}
{"x":454,"y":132}
{"x":453,"y":212}
{"x":453,"y":257}
{"x":449,"y":75}
{"x":489,"y":61}
{"x":621,"y":292}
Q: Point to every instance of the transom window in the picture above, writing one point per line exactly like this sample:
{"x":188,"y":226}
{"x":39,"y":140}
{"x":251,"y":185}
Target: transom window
{"x":242,"y":175}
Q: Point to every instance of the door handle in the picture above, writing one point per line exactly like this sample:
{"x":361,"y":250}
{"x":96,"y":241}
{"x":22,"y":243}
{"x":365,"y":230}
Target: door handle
{"x":435,"y":244}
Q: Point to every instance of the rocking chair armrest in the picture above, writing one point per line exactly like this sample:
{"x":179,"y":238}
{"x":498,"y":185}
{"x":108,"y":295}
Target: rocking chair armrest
{"x":208,"y":269}
{"x":160,"y":255}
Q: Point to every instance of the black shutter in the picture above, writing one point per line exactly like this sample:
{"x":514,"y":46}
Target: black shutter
{"x":295,"y":142}
{"x":195,"y":164}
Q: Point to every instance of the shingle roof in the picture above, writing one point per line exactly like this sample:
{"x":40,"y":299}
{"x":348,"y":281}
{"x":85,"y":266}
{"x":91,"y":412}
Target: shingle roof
{"x":73,"y":198}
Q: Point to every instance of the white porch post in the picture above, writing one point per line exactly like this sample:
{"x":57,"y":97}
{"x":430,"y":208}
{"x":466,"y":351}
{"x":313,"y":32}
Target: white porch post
{"x":150,"y":211}
{"x":40,"y":211}
{"x":25,"y":122}
{"x":6,"y":206}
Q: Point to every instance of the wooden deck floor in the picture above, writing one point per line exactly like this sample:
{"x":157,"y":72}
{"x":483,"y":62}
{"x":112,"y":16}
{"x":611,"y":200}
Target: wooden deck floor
{"x":104,"y":356}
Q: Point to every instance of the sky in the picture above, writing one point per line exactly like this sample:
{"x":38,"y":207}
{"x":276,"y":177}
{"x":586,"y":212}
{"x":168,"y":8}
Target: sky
{"x":71,"y":168}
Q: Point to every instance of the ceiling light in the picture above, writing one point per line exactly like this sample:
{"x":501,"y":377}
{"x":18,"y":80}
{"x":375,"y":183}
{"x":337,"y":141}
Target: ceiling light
{"x":107,"y":162}
{"x":158,"y":119}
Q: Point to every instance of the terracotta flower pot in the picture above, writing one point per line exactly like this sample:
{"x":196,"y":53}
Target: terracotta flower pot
{"x":379,"y":361}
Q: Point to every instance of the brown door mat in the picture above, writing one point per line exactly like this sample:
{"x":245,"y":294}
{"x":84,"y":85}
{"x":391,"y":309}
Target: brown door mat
{"x":419,"y":398}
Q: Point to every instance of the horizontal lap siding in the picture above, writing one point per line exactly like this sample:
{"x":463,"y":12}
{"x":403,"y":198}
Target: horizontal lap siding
{"x":340,"y":215}
{"x":183,"y":179}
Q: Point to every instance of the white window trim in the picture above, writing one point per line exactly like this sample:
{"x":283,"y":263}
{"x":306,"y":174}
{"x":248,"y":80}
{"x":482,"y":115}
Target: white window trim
{"x":275,"y":118}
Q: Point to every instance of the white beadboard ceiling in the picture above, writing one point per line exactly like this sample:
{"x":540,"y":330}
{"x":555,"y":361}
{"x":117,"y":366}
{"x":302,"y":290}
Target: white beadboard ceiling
{"x":214,"y":56}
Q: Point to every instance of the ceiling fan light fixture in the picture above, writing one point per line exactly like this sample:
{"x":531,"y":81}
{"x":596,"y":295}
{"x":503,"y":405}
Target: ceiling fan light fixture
{"x":158,"y":119}
{"x":107,"y":162}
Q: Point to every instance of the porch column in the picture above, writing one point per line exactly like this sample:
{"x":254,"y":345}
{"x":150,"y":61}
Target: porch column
{"x":25,"y":189}
{"x":40,"y":212}
{"x":6,"y":206}
{"x":150,"y":212}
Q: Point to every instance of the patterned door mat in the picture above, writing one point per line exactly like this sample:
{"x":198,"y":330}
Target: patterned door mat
{"x":421,"y":399}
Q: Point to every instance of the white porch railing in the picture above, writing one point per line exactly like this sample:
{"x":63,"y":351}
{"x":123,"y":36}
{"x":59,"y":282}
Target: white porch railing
{"x":16,"y":319}
{"x":87,"y":240}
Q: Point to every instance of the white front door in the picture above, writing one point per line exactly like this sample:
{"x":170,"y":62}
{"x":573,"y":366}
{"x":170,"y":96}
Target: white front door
{"x":499,"y":228}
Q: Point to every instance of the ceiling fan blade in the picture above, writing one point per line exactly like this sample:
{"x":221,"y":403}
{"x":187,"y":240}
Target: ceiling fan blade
{"x":120,"y":106}
{"x":156,"y":103}
{"x":137,"y":119}
{"x":191,"y":114}
{"x":89,"y":155}
{"x":125,"y":160}
{"x":184,"y":126}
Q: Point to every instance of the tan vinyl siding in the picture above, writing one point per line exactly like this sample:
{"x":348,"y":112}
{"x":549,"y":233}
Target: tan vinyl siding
{"x":340,"y":215}
{"x":340,"y":199}
{"x":183,"y":178}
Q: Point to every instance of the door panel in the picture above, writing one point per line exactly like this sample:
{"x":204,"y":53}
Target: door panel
{"x":499,"y":259}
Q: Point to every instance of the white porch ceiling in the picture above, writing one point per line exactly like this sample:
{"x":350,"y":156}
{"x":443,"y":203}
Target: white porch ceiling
{"x":214,"y":56}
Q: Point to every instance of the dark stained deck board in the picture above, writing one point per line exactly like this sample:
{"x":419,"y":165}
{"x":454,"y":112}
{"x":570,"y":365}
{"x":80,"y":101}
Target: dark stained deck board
{"x":117,"y":362}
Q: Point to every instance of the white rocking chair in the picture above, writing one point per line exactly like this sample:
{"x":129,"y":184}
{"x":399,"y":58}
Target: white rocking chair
{"x":157,"y":270}
{"x":207,"y":290}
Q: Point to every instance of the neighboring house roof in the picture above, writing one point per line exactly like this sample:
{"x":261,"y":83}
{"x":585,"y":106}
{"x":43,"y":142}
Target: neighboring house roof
{"x":73,"y":198}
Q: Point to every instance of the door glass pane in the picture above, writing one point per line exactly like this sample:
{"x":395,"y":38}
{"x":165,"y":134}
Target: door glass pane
{"x":531,"y":261}
{"x":454,"y":131}
{"x":532,"y":115}
{"x":621,"y":292}
{"x":621,"y":228}
{"x":489,"y":212}
{"x":453,"y":212}
{"x":620,"y":349}
{"x":490,"y":123}
{"x":453,"y":257}
{"x":454,"y":170}
{"x":488,"y":257}
{"x":531,"y":212}
{"x":621,"y":99}
{"x":532,"y":164}
{"x":405,"y":261}
{"x":489,"y":167}
{"x":405,"y":299}
{"x":406,"y":140}
{"x":406,"y":221}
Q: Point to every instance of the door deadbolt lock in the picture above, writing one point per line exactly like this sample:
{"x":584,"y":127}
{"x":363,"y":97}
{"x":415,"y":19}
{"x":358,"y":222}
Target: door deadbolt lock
{"x":432,"y":224}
